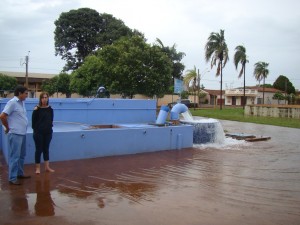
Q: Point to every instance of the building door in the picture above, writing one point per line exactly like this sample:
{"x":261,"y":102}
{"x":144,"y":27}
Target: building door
{"x":244,"y":100}
{"x":219,"y":101}
{"x":233,"y":100}
{"x":259,"y":101}
{"x":212,"y":99}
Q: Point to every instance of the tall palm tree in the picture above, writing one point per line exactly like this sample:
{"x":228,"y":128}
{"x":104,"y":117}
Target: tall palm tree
{"x":241,"y":57}
{"x":260,"y":73}
{"x":216,"y":50}
{"x":191,"y":76}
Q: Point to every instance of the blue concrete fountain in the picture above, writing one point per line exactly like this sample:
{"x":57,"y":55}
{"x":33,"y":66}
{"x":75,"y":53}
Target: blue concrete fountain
{"x":89,"y":128}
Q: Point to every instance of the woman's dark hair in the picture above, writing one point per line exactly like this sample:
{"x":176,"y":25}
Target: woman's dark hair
{"x":19,"y":89}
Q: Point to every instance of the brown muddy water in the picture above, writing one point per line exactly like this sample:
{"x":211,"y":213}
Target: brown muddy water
{"x":235,"y":183}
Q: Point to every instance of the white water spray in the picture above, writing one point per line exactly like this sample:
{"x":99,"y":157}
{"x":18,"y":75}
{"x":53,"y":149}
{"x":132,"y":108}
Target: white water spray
{"x":205,"y":130}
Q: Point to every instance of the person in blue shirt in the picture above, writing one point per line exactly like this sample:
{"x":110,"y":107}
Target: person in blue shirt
{"x":14,"y":121}
{"x":42,"y":123}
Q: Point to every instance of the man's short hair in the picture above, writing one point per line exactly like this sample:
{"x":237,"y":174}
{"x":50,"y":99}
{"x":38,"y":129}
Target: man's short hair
{"x":19,"y":89}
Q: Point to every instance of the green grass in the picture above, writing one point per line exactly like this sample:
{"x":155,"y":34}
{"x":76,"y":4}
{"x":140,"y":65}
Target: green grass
{"x":237,"y":114}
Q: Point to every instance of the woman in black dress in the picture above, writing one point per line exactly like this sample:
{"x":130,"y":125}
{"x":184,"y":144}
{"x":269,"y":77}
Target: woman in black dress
{"x":42,"y":123}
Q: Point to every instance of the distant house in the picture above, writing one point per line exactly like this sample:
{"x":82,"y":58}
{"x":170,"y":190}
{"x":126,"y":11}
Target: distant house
{"x":35,"y":80}
{"x":213,"y":97}
{"x":253,"y":95}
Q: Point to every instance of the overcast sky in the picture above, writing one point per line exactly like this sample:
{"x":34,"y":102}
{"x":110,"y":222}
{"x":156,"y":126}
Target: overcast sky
{"x":269,"y":29}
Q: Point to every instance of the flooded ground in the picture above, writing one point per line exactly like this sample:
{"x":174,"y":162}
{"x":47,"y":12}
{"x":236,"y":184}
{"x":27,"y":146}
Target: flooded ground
{"x":235,"y":183}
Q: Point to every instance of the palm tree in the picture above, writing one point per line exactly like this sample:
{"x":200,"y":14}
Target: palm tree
{"x":241,"y":57}
{"x":191,"y":76}
{"x":260,"y":73}
{"x":216,"y":50}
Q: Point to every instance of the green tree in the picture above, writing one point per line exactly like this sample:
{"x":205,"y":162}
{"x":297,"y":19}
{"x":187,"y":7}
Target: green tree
{"x":216,"y":50}
{"x":7,"y":84}
{"x":260,"y":73}
{"x":283,"y":83}
{"x":113,"y":29}
{"x":184,"y":95}
{"x":59,"y":83}
{"x":50,"y":85}
{"x":268,"y":85}
{"x":76,"y":35}
{"x":175,"y":57}
{"x":81,"y":32}
{"x":87,"y":78}
{"x":63,"y":84}
{"x":241,"y":57}
{"x":190,"y":77}
{"x":201,"y":95}
{"x":279,"y":96}
{"x":128,"y":67}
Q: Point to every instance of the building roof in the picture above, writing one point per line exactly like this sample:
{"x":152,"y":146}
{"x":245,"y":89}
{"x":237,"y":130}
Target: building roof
{"x":30,"y":75}
{"x":214,"y":92}
{"x":267,"y":89}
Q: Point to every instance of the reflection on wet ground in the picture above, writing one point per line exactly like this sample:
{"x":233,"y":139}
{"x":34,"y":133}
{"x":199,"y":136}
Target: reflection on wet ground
{"x":235,"y":183}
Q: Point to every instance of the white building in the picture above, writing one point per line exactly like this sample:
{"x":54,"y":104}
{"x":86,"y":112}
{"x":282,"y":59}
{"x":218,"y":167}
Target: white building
{"x":253,"y":95}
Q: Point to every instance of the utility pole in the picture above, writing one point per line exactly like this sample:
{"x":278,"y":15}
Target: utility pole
{"x":26,"y":75}
{"x":285,"y":91}
{"x":199,"y":76}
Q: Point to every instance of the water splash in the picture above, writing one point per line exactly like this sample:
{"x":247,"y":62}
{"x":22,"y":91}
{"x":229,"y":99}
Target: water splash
{"x":205,"y":130}
{"x":228,"y":144}
{"x":188,"y":116}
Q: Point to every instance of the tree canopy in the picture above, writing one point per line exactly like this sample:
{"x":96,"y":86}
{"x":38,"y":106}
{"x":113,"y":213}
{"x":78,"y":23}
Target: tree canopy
{"x":261,"y":72}
{"x":50,"y":85}
{"x":113,"y":29}
{"x":240,"y":57}
{"x":283,"y":83}
{"x":63,"y":84}
{"x":176,"y":57}
{"x":130,"y":66}
{"x":60,"y":83}
{"x":279,"y":96}
{"x":7,"y":83}
{"x":81,"y":32}
{"x":87,"y":78}
{"x":191,"y":78}
{"x":216,"y":50}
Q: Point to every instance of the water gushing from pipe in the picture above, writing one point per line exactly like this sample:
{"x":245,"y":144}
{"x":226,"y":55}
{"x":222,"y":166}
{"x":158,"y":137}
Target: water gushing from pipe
{"x":205,"y":130}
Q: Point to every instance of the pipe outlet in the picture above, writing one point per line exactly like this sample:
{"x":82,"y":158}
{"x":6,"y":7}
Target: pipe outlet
{"x":177,"y":110}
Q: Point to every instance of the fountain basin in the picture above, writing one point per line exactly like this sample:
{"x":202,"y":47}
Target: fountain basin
{"x":79,"y":141}
{"x":87,"y":128}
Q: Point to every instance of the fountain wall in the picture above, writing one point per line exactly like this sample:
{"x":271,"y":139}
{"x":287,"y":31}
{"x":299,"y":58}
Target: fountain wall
{"x":281,"y":111}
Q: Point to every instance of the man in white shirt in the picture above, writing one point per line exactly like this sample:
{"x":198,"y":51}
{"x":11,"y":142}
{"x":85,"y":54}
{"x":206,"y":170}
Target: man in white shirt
{"x":15,"y":122}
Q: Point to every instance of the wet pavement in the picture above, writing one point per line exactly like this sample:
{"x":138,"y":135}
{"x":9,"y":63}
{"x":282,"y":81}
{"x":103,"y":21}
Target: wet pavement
{"x":235,"y":183}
